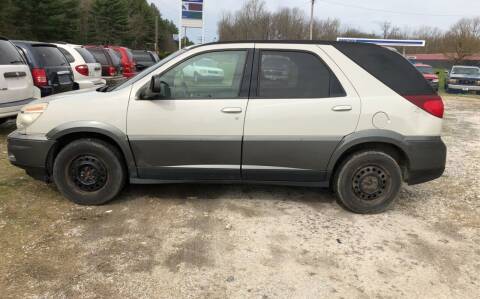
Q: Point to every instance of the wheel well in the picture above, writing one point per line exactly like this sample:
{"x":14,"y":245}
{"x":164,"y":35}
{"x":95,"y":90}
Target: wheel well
{"x":66,"y":139}
{"x":392,"y":150}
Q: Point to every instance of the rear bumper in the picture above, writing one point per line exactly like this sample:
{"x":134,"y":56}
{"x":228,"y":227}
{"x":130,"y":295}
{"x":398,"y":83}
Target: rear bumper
{"x":30,"y":152}
{"x":11,"y":109}
{"x":427,"y":159}
{"x":93,"y":83}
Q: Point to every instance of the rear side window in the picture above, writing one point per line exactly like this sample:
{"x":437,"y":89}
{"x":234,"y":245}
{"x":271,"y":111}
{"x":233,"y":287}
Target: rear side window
{"x":99,"y":56}
{"x":87,"y":56}
{"x":67,"y":54}
{"x":129,"y":54}
{"x":389,"y":67}
{"x":49,"y":56}
{"x":290,"y":74}
{"x":9,"y":54}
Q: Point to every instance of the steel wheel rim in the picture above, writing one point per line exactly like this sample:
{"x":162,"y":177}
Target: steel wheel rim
{"x":371,"y":182}
{"x":88,"y":173}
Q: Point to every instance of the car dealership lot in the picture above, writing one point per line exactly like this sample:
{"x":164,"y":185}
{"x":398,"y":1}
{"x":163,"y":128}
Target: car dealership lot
{"x":248,"y":241}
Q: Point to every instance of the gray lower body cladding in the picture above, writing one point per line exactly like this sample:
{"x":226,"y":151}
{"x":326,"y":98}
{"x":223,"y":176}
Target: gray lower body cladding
{"x":282,"y":160}
{"x":258,"y":158}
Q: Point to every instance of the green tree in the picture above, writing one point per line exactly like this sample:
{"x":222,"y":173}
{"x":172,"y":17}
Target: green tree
{"x":108,"y":22}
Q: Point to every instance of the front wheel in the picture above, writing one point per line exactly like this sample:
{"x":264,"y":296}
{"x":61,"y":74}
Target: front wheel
{"x":368,"y":182}
{"x":89,"y":171}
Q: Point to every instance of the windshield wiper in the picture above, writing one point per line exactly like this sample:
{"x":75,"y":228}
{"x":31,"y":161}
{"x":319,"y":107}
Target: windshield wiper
{"x":16,"y":61}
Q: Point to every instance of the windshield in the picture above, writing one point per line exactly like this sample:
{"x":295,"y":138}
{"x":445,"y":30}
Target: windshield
{"x":147,"y":71}
{"x":466,"y":71}
{"x":425,"y":69}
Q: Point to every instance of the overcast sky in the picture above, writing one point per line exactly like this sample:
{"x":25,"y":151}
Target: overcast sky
{"x":365,"y":14}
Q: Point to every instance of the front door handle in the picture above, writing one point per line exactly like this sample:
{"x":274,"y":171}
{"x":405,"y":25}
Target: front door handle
{"x":232,"y":110}
{"x":342,"y":108}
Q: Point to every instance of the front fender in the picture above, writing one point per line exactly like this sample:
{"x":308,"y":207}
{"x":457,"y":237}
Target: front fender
{"x":114,"y":133}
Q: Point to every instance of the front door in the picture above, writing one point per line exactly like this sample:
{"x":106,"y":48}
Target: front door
{"x":301,"y":107}
{"x":192,"y":129}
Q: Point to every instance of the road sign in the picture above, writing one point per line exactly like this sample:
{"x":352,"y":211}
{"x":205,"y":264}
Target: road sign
{"x":385,"y":42}
{"x":192,"y":13}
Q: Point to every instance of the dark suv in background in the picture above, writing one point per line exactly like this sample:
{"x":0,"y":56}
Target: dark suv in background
{"x":51,"y":71}
{"x":145,"y":59}
{"x":112,"y":69}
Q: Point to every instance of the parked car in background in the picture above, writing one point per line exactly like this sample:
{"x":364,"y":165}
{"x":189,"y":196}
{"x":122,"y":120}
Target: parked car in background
{"x":203,"y":69}
{"x":144,"y":59}
{"x":50,"y":69}
{"x":463,"y":79}
{"x":87,"y":71}
{"x":16,"y":83}
{"x":112,"y":69}
{"x":126,"y":57}
{"x":343,"y":119}
{"x":429,"y":74}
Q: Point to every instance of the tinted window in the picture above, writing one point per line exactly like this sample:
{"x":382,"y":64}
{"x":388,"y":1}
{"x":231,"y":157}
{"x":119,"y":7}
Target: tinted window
{"x":69,"y":56}
{"x":286,"y":74}
{"x":389,"y":67}
{"x":141,"y":56}
{"x":129,"y":54}
{"x":9,"y":54}
{"x":99,"y":55}
{"x":220,"y":79}
{"x":115,"y":57}
{"x":87,"y":56}
{"x":465,"y":71}
{"x":49,"y":56}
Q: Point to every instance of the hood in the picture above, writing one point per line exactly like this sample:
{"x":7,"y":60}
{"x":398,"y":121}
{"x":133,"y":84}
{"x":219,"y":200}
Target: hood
{"x":69,"y":94}
{"x":430,"y":76}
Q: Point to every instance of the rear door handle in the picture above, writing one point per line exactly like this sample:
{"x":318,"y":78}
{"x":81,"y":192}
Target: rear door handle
{"x":342,"y":108}
{"x":232,"y":110}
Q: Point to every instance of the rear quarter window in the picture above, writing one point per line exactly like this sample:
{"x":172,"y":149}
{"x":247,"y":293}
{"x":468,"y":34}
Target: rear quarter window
{"x":9,"y":54}
{"x":99,"y":56}
{"x":49,"y":56}
{"x":389,"y":67}
{"x":87,"y":56}
{"x":67,"y":55}
{"x":143,"y":56}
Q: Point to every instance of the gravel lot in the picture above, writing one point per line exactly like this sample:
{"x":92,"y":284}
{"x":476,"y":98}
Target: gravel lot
{"x":199,"y":241}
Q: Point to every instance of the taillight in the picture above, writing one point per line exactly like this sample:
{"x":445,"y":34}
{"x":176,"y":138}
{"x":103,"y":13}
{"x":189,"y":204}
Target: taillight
{"x":39,"y":77}
{"x":433,"y":104}
{"x":112,"y":71}
{"x":82,"y":69}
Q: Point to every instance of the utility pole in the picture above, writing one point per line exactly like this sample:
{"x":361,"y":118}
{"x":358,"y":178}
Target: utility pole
{"x":311,"y":19}
{"x":156,"y":34}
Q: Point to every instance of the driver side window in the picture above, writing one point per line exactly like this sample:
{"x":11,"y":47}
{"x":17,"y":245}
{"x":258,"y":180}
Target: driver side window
{"x":213,"y":75}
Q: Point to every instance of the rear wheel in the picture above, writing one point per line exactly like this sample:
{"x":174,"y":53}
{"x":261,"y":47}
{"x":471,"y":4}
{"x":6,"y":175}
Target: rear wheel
{"x":368,"y":182}
{"x":89,"y":171}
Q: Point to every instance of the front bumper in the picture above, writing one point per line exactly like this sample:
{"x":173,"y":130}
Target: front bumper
{"x":427,"y":159}
{"x":31,"y":153}
{"x":463,"y":87}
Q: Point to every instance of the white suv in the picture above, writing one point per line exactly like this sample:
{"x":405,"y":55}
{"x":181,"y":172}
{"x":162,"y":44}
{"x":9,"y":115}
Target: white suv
{"x":358,"y":118}
{"x":16,"y":83}
{"x":87,"y":71}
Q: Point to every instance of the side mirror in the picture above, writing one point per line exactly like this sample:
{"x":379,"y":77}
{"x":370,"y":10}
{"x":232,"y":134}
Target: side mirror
{"x":156,"y":84}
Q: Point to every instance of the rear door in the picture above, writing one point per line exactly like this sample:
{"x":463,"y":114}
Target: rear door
{"x":59,"y":72}
{"x":15,"y":79}
{"x":301,"y":106}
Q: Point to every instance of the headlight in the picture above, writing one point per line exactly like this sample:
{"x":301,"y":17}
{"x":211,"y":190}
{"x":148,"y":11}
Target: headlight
{"x":29,"y":114}
{"x":453,"y":81}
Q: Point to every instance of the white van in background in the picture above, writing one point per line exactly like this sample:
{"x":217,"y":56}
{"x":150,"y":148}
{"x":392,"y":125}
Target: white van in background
{"x":86,"y":70}
{"x":16,"y":83}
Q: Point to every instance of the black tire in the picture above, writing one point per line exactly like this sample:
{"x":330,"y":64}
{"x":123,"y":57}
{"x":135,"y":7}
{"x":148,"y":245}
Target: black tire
{"x":89,"y":171}
{"x":368,"y":182}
